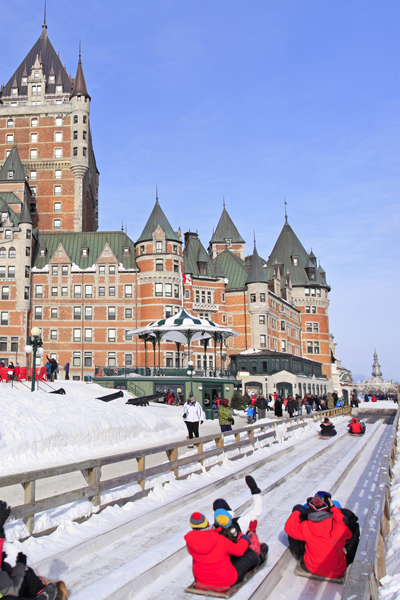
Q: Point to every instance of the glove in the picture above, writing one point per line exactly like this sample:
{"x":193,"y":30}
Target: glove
{"x":244,"y":537}
{"x":252,"y":485}
{"x":252,"y":526}
{"x":201,"y":422}
{"x":21,"y":558}
{"x":184,"y":416}
{"x":4,"y":514}
{"x":232,"y":420}
{"x":3,"y":557}
{"x":300,"y":508}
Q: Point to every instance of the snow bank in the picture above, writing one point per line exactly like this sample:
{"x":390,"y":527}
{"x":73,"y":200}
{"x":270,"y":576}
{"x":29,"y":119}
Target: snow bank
{"x":39,"y":429}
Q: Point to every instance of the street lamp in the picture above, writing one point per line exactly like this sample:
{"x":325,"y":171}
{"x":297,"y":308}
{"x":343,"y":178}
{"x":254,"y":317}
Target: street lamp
{"x":35,"y":344}
{"x":191,"y":372}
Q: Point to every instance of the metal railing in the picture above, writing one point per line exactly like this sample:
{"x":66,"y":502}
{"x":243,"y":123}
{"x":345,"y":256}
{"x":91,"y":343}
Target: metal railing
{"x":91,"y":469}
{"x":161,"y":372}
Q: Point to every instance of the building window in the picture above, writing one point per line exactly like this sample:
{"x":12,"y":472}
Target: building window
{"x":4,"y":317}
{"x":12,"y":253}
{"x":57,"y":174}
{"x":39,"y":291}
{"x":253,"y":298}
{"x":308,"y":309}
{"x":58,"y":152}
{"x":27,"y":271}
{"x":176,"y":290}
{"x":34,"y":138}
{"x":57,"y":224}
{"x":128,"y":360}
{"x":176,"y":266}
{"x":33,"y":175}
{"x":14,"y":344}
{"x":53,"y":334}
{"x":58,"y":136}
{"x":202,"y":268}
{"x":64,"y":270}
{"x":102,"y":291}
{"x":309,"y":327}
{"x":75,"y":152}
{"x":88,"y":291}
{"x":77,"y":313}
{"x":168,"y":290}
{"x":5,"y":292}
{"x":57,"y":192}
{"x":111,"y":313}
{"x":112,"y":335}
{"x":76,"y":360}
{"x":169,"y":359}
{"x":9,"y":138}
{"x":128,"y":291}
{"x":187,"y":294}
{"x":34,"y":191}
{"x":158,"y":289}
{"x":77,"y":335}
{"x":28,"y":234}
{"x":75,"y":135}
{"x":54,"y":270}
{"x":54,"y":313}
{"x":11,"y":271}
{"x":263,"y":341}
{"x":33,"y":153}
{"x":159,"y":264}
{"x":84,"y":151}
{"x":34,"y":122}
{"x":26,"y":293}
{"x":111,"y":270}
{"x":88,"y":359}
{"x":10,"y":124}
{"x":283,"y":326}
{"x":224,"y":318}
{"x":315,"y":327}
{"x":10,"y":174}
{"x":126,"y":251}
{"x":262,"y":319}
{"x":142,"y":249}
{"x":102,"y":270}
{"x":75,"y":118}
{"x":159,"y":247}
{"x":3,"y":253}
{"x":3,"y":344}
{"x":64,"y":291}
{"x":306,"y":291}
{"x":88,"y":334}
{"x":88,"y":313}
{"x":111,"y":290}
{"x":59,"y":89}
{"x":77,"y":291}
{"x":283,"y":346}
{"x":111,"y":358}
{"x":38,"y":312}
{"x":128,"y":335}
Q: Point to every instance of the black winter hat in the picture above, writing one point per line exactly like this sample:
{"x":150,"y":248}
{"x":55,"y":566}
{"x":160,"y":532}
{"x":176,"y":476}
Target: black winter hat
{"x":221,"y":503}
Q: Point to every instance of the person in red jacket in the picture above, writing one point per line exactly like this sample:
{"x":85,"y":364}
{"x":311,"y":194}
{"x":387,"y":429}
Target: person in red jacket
{"x":325,"y":535}
{"x":356,"y":427}
{"x":211,"y":552}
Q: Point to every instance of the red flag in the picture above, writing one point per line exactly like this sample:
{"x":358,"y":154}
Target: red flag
{"x":187,"y":279}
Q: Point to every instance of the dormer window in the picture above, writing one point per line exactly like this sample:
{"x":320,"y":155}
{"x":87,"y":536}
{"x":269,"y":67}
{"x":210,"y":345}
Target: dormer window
{"x":202,"y":268}
{"x":24,"y":81}
{"x":126,"y":251}
{"x":228,"y":242}
{"x":158,"y":246}
{"x":52,"y":78}
{"x":295,"y":260}
{"x":59,"y":89}
{"x":14,"y":91}
{"x":85,"y":251}
{"x":36,"y":75}
{"x":4,"y":216}
{"x":42,"y":251}
{"x":10,"y":174}
{"x":8,"y":234}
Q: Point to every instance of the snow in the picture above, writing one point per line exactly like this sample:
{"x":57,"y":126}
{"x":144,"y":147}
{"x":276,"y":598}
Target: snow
{"x":39,"y":429}
{"x":390,"y":589}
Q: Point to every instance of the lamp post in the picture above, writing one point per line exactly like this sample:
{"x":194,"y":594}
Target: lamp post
{"x":191,"y":372}
{"x":35,"y":344}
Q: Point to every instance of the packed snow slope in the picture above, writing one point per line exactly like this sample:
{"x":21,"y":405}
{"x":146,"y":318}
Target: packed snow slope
{"x":39,"y":429}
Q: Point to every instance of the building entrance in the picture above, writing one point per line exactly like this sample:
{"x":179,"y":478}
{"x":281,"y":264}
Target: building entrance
{"x":284,"y":389}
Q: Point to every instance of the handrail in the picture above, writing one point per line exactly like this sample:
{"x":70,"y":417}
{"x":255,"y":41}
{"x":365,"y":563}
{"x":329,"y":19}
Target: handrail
{"x":135,"y":389}
{"x":91,"y":468}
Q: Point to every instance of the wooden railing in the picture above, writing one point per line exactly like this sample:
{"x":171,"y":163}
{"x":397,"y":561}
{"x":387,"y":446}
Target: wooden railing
{"x":91,"y":469}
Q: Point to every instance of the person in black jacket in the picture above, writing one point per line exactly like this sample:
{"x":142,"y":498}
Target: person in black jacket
{"x":327,"y":428}
{"x":261,"y":405}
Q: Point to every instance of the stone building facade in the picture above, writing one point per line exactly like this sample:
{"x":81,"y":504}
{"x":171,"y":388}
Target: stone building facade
{"x":86,"y":289}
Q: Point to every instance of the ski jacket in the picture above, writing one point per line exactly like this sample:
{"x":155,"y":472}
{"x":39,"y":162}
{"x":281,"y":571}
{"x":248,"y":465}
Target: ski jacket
{"x":10,"y":586}
{"x":211,"y":557}
{"x":325,"y":535}
{"x":328,"y":429}
{"x":193,"y":412}
{"x":252,"y":514}
{"x":356,"y":427}
{"x":261,"y":403}
{"x":224,"y":415}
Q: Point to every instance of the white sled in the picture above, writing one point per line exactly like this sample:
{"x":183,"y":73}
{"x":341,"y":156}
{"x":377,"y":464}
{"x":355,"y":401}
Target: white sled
{"x":301,"y":573}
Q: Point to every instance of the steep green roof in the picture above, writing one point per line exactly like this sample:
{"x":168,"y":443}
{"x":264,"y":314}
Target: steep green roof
{"x":256,"y":271}
{"x":286,"y":248}
{"x":25,"y":216}
{"x":226,"y":230}
{"x":72,"y":244}
{"x":156,"y":218}
{"x":234,"y":270}
{"x":10,"y":198}
{"x":5,"y":208}
{"x":195,"y":253}
{"x":13,"y":163}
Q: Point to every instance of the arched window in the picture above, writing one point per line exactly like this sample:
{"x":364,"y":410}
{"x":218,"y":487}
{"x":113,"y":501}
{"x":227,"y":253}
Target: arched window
{"x":75,"y":118}
{"x":309,"y":388}
{"x":3,"y":253}
{"x":305,"y":389}
{"x":313,"y":388}
{"x":11,"y":253}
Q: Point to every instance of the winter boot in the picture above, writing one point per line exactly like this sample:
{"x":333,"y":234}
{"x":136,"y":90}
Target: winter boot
{"x":48,"y":593}
{"x":263,"y":552}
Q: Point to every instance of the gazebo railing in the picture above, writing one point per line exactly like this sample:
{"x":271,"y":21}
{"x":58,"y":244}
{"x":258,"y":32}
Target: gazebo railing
{"x":161,"y":372}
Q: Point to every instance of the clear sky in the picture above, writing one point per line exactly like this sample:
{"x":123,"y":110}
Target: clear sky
{"x":254,"y":101}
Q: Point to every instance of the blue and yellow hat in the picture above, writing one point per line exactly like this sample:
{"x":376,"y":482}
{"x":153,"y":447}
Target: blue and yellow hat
{"x":222,"y":518}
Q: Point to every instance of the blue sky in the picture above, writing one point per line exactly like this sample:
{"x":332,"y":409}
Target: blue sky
{"x":255,"y":101}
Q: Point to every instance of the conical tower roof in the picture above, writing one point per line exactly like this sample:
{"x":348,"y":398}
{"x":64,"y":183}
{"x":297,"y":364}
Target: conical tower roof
{"x":25,"y":216}
{"x":194,"y":254}
{"x":48,"y":57}
{"x":13,"y":163}
{"x":156,"y":218}
{"x":80,"y":88}
{"x":226,"y":230}
{"x":256,"y":272}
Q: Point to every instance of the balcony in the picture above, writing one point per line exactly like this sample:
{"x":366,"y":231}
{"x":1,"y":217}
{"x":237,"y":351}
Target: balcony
{"x":204,"y":307}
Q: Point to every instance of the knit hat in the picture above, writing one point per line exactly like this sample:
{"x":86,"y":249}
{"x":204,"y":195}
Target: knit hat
{"x":222,"y":518}
{"x":317,"y":503}
{"x":326,"y":420}
{"x":221,"y":503}
{"x":198,"y":521}
{"x":225,"y":402}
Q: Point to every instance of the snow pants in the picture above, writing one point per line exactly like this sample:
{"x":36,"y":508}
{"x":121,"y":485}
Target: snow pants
{"x":193,"y":429}
{"x":243,"y":564}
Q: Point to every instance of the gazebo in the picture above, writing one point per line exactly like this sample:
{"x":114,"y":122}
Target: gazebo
{"x":184,"y":328}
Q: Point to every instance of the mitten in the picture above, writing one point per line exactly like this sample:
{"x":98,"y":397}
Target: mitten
{"x":3,"y":557}
{"x":252,"y":485}
{"x":252,"y":526}
{"x":184,"y":416}
{"x":300,"y":508}
{"x":21,"y":558}
{"x":245,"y":537}
{"x":4,"y":514}
{"x":201,"y":422}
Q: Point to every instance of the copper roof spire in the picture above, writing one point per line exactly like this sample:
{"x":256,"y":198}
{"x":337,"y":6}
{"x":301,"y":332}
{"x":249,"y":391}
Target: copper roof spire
{"x":80,"y":84}
{"x":44,"y":26}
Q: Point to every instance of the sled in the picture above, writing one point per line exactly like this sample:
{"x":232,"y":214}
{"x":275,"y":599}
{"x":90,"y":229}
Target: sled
{"x":325,"y":437}
{"x":302,"y":573}
{"x":196,"y":588}
{"x":356,"y":434}
{"x":62,"y":592}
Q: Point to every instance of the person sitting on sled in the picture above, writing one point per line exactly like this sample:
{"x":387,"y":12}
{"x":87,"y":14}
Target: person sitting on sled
{"x":20,"y":581}
{"x":327,"y":428}
{"x":212,"y":552}
{"x":356,"y":426}
{"x":325,"y":532}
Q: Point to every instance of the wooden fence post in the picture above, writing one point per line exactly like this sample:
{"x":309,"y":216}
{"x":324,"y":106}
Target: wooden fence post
{"x":29,"y":496}
{"x":199,"y":451}
{"x":141,"y":467}
{"x":173,"y":455}
{"x":93,"y":477}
